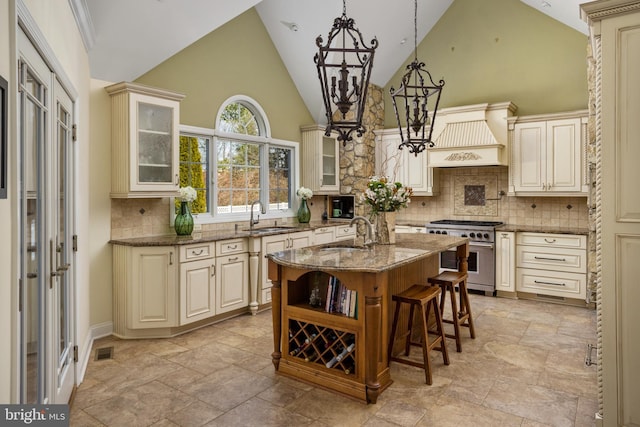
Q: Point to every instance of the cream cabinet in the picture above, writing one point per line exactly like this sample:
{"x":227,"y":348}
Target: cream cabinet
{"x":324,"y":235}
{"x":552,"y":264}
{"x":549,"y":155}
{"x":615,"y":37}
{"x":197,"y":281}
{"x":232,"y":275}
{"x":402,"y":166}
{"x":410,"y":229}
{"x":160,"y":290}
{"x":145,"y":288}
{"x":320,"y":161}
{"x":144,"y":141}
{"x":505,"y":263}
{"x":345,"y":232}
{"x":276,"y":243}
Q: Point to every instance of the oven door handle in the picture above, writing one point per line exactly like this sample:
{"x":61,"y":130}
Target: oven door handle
{"x":482,"y":245}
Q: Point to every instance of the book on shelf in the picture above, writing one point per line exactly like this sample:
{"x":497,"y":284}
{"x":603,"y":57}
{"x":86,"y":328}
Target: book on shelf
{"x":340,"y":299}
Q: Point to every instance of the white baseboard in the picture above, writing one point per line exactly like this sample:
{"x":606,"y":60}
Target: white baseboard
{"x":84,"y":352}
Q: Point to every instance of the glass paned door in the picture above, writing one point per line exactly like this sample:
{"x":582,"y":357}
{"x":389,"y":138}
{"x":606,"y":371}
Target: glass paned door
{"x":34,"y":113}
{"x":45,"y":117}
{"x":61,"y":242}
{"x":155,"y":143}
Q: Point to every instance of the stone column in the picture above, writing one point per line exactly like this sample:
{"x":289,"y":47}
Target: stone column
{"x":357,"y":159}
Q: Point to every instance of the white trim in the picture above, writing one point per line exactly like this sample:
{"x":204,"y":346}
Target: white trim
{"x":196,"y":130}
{"x":85,"y":24}
{"x":30,"y":28}
{"x":251,"y":104}
{"x":95,"y":332}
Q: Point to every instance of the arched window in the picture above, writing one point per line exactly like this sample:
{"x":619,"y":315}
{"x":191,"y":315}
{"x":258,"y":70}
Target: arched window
{"x":247,"y":166}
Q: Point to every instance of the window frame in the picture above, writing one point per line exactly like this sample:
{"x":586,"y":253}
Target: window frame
{"x":265,"y":143}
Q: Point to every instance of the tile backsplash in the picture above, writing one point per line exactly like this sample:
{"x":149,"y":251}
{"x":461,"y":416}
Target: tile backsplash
{"x":450,"y":203}
{"x":151,"y":217}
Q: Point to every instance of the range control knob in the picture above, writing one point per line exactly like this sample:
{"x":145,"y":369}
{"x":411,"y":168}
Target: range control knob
{"x":444,"y":231}
{"x":472,"y":235}
{"x":431,"y":232}
{"x":463,"y":235}
{"x":486,"y":235}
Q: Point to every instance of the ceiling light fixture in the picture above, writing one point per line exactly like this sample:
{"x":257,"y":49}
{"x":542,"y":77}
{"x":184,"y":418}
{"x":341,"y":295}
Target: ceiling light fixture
{"x":413,"y":97}
{"x":337,"y":65}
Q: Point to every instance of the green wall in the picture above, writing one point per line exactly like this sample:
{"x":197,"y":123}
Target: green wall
{"x":486,"y":51}
{"x":235,"y":59}
{"x":502,"y":50}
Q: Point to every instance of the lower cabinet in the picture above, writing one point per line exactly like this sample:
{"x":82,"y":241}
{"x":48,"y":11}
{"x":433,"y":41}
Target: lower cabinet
{"x":505,"y":261}
{"x":552,"y":265}
{"x":160,"y":289}
{"x":345,"y":232}
{"x":197,"y":296}
{"x":232,"y":282}
{"x":277,"y":243}
{"x":151,"y":287}
{"x":410,"y":229}
{"x":324,"y":235}
{"x":197,"y":281}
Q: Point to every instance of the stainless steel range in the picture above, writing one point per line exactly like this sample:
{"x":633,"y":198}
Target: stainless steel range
{"x":482,"y":261}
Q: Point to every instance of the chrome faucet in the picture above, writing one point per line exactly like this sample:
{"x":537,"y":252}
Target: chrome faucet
{"x":253,"y":222}
{"x":368,"y":240}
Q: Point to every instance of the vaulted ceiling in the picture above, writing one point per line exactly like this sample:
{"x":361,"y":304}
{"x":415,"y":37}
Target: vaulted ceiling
{"x":125,"y":38}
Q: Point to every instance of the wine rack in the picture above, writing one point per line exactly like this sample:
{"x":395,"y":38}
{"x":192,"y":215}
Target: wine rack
{"x":332,"y":348}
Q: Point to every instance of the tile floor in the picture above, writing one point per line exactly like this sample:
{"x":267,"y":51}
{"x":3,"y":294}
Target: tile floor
{"x":525,"y":368}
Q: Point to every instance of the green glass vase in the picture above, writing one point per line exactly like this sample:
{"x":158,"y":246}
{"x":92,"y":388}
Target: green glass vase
{"x":304,"y":214}
{"x":184,"y":220}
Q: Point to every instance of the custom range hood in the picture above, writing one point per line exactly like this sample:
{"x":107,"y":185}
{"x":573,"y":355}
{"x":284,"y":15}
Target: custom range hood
{"x":472,"y":135}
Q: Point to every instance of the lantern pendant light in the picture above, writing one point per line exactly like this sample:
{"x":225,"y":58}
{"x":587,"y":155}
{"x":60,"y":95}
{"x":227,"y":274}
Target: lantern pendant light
{"x":344,"y":73}
{"x":413,"y":99}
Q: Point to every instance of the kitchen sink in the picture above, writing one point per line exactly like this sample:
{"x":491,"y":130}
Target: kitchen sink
{"x":345,"y":249}
{"x":262,"y":230}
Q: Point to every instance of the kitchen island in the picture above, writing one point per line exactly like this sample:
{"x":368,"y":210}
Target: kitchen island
{"x":341,"y":345}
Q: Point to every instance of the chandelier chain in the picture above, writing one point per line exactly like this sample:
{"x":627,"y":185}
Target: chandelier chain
{"x":415,"y":30}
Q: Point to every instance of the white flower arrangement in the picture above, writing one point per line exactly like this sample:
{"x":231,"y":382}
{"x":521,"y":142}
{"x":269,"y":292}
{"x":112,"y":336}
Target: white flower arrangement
{"x":304,"y":193}
{"x":188,"y":194}
{"x":384,"y":195}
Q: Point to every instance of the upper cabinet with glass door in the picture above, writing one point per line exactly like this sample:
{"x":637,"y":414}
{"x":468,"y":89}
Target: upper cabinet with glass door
{"x":320,"y":160}
{"x":144,"y":141}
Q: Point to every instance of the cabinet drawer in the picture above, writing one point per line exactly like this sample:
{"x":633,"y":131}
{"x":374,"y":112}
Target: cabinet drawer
{"x":344,"y":232}
{"x":197,"y":251}
{"x":323,"y":235}
{"x":569,"y":285}
{"x":558,"y":259}
{"x":230,"y":247}
{"x":553,"y":240}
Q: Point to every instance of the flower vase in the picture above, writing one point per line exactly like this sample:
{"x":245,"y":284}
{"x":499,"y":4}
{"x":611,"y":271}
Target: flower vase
{"x":184,"y":221}
{"x":386,"y":228}
{"x":304,"y":214}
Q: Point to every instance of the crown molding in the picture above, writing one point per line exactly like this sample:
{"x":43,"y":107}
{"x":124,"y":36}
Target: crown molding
{"x":85,"y":24}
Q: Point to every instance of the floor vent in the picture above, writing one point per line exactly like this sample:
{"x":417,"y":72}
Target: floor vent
{"x":104,"y":353}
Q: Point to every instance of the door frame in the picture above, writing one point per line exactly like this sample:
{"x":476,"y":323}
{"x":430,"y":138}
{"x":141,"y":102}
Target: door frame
{"x":21,"y":19}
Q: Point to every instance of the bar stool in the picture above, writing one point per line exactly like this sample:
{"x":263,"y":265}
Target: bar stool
{"x":424,"y":298}
{"x":448,"y":280}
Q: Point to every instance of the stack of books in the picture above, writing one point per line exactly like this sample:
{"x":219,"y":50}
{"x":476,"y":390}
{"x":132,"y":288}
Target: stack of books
{"x":340,"y":299}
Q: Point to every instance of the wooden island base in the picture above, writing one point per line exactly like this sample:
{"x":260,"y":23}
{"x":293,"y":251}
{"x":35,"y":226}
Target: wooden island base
{"x":345,"y":353}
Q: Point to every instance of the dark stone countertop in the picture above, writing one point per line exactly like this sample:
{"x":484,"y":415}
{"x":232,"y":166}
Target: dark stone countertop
{"x":551,"y":229}
{"x":339,"y":257}
{"x":212,"y":236}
